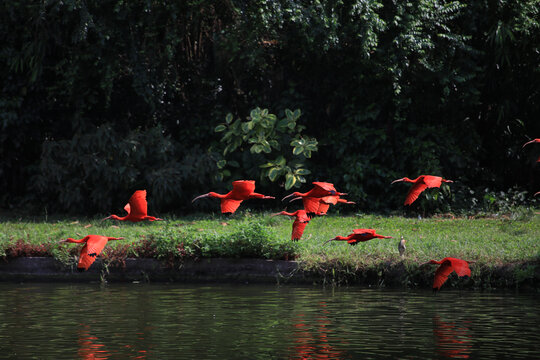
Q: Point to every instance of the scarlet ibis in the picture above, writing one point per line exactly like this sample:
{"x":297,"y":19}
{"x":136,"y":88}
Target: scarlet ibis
{"x":242,"y":190}
{"x":447,"y":265}
{"x":311,"y":199}
{"x":91,"y":249}
{"x":136,"y":209}
{"x":359,"y":235}
{"x":401,"y":246}
{"x":421,"y":183}
{"x":300,"y":223}
{"x":325,"y":202}
{"x":532,"y":142}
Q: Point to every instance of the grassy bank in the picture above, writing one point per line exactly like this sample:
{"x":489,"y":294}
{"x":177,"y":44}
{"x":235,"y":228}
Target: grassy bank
{"x":494,"y":243}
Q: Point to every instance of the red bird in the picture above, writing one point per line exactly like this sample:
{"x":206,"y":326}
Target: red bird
{"x":325,"y":202}
{"x":448,"y":264}
{"x":136,"y":209}
{"x":532,"y":142}
{"x":91,"y":249}
{"x":242,"y":190}
{"x":421,"y":183}
{"x":359,"y":235}
{"x":299,"y":224}
{"x":311,"y":199}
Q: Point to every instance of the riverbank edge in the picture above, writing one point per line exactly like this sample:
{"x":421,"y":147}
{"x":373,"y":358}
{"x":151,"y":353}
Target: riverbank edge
{"x":401,"y":274}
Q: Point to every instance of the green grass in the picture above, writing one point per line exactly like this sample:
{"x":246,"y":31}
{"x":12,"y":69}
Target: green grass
{"x":488,"y":241}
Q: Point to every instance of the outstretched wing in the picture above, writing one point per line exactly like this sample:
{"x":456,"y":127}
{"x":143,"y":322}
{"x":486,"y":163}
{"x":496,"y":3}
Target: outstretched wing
{"x":414,"y":192}
{"x":432,"y":181}
{"x":311,"y":204}
{"x":323,"y":208}
{"x":298,"y":229}
{"x":229,"y":205}
{"x":461,"y":267}
{"x":441,"y":275}
{"x":322,"y":189}
{"x":91,"y":250}
{"x":138,"y":204}
{"x":242,"y":189}
{"x":364,"y":231}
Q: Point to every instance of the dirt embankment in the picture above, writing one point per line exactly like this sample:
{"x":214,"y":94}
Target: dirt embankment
{"x":524,"y":275}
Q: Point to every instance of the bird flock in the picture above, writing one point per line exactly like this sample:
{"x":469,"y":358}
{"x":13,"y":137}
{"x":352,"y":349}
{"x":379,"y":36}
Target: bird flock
{"x":316,"y":202}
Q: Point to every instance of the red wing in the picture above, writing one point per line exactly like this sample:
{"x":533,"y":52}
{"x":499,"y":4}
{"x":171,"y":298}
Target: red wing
{"x":137,"y":202}
{"x":414,"y":192}
{"x":229,"y":205}
{"x":127,"y":208}
{"x":85,"y":260}
{"x":302,"y":216}
{"x":461,"y":267}
{"x":242,"y":189}
{"x":96,"y":243}
{"x":322,"y":189}
{"x":323,"y":208}
{"x":298,"y":229}
{"x":332,"y":199}
{"x":311,"y":204}
{"x":364,"y":231}
{"x":432,"y":181}
{"x":441,"y":275}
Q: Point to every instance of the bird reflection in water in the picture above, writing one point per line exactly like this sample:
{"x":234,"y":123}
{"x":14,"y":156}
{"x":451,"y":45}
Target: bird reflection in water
{"x":312,"y":341}
{"x":89,"y":346}
{"x":453,"y":339}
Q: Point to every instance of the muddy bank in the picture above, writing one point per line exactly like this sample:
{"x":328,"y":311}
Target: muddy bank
{"x":524,"y":275}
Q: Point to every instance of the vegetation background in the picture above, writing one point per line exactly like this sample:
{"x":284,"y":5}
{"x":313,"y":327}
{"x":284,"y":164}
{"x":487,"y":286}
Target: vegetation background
{"x":100,"y":98}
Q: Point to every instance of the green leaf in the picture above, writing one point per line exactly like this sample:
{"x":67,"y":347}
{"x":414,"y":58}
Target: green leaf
{"x":221,"y":163}
{"x":302,"y":172}
{"x":295,"y":142}
{"x":290,"y":180}
{"x":274,"y":144}
{"x":281,"y":161}
{"x":264,"y":112}
{"x":228,"y":118}
{"x":220,"y":128}
{"x":296,"y":114}
{"x":255,"y":114}
{"x":274,"y":173}
{"x":256,"y":148}
{"x":297,"y":150}
{"x":289,"y":115}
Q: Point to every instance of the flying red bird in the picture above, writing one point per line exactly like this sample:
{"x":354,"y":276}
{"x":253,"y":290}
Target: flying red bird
{"x":448,"y":264}
{"x":300,"y":223}
{"x":91,"y":249}
{"x":325,"y":202}
{"x":359,"y":235}
{"x":242,"y":190}
{"x":136,"y":209}
{"x":532,"y":142}
{"x":311,"y":199}
{"x":421,"y":183}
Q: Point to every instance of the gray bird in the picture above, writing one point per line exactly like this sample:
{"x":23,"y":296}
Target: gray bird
{"x":401,"y":246}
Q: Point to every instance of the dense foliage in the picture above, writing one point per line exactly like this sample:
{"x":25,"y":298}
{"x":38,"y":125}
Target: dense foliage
{"x":100,"y":98}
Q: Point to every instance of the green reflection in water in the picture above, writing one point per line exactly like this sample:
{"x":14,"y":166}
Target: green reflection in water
{"x":157,"y":321}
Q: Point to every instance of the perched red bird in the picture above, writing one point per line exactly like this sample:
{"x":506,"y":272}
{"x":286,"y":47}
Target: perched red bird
{"x":299,"y":224}
{"x":448,"y":264}
{"x":532,"y":142}
{"x":311,"y":199}
{"x":359,"y":235}
{"x":325,"y":202}
{"x":242,"y":190}
{"x":136,"y":209}
{"x":91,"y":249}
{"x":421,"y":183}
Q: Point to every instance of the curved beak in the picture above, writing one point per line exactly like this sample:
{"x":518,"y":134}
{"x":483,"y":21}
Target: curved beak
{"x":397,"y":180}
{"x":527,"y":143}
{"x":288,"y":196}
{"x":199,"y":197}
{"x":327,"y":241}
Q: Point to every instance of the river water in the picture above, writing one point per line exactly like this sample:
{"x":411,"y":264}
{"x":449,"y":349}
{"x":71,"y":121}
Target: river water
{"x":177,"y":321}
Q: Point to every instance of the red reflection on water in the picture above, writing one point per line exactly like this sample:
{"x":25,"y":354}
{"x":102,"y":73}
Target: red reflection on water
{"x":311,"y":337}
{"x":453,"y":340}
{"x":89,"y":347}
